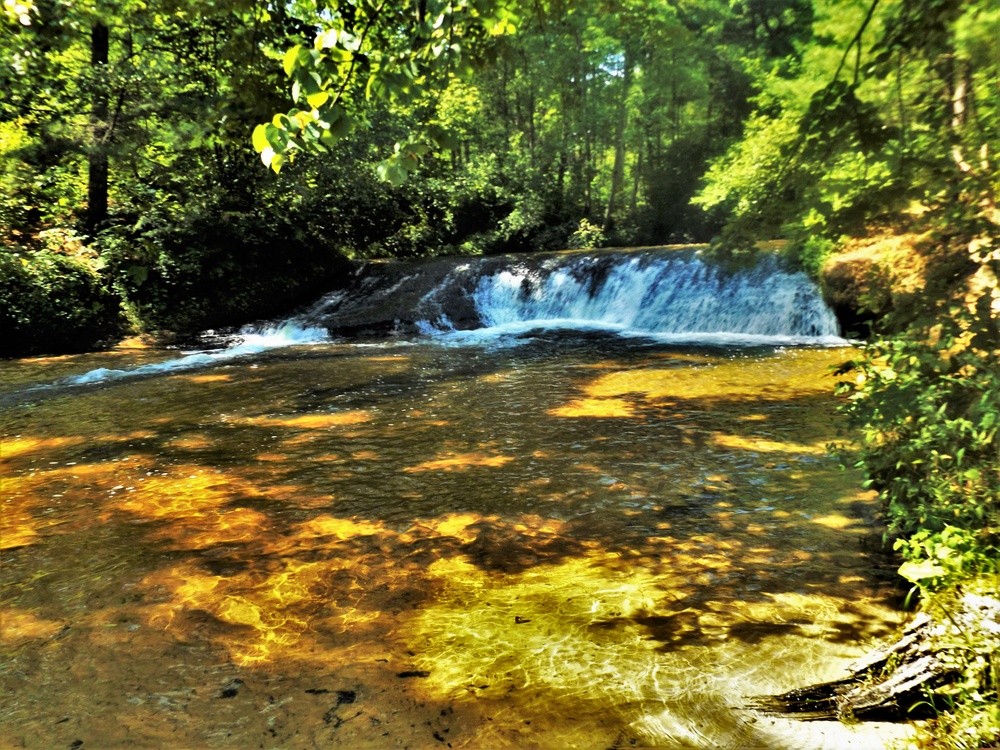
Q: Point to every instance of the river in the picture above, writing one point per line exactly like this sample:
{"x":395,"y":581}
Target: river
{"x":514,"y":535}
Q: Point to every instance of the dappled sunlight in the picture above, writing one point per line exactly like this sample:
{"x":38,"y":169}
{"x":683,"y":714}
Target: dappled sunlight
{"x":19,"y":626}
{"x":211,"y":378}
{"x":524,"y":630}
{"x":635,"y":632}
{"x":339,"y":528}
{"x":264,"y":544}
{"x":837,"y":521}
{"x":596,"y":407}
{"x":191,"y":442}
{"x":750,"y":380}
{"x":260,"y":614}
{"x":17,"y":447}
{"x":458,"y":525}
{"x":178,"y":496}
{"x":766,"y":445}
{"x":459,"y":462}
{"x":18,"y":529}
{"x":312,"y":421}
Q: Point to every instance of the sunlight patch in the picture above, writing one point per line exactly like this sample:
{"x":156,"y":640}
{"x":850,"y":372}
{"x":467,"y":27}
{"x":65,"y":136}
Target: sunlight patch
{"x":595,"y":407}
{"x":313,"y":421}
{"x":460,"y":461}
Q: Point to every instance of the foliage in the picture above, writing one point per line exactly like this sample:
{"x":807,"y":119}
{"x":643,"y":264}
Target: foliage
{"x":587,"y":235}
{"x":583,"y":109}
{"x":395,"y":51}
{"x":51,"y":302}
{"x":195,"y":234}
{"x":879,"y":113}
{"x":967,"y":641}
{"x":927,"y":402}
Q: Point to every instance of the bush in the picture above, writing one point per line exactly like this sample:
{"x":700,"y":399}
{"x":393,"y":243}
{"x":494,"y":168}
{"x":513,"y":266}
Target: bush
{"x":54,"y":303}
{"x":587,"y":235}
{"x":929,"y":412}
{"x":216,"y":269}
{"x":927,"y":401}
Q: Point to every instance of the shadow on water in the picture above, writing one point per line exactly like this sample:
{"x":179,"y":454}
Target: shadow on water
{"x":558,"y":545}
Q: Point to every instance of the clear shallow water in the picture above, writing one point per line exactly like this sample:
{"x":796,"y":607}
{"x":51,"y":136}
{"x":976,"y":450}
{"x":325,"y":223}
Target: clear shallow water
{"x":581,"y":541}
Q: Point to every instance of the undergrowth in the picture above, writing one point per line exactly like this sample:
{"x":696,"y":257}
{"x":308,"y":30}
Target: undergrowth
{"x":924,"y":400}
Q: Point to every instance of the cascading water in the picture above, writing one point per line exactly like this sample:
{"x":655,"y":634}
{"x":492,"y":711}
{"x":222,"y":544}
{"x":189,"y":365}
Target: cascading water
{"x":251,"y":339}
{"x":674,"y":297}
{"x":667,"y":295}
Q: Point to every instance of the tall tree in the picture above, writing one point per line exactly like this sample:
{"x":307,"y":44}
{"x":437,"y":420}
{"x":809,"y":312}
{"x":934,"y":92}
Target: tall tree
{"x":97,"y":180}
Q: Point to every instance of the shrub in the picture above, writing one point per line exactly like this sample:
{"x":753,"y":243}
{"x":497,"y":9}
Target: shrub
{"x":587,"y":235}
{"x":54,"y":303}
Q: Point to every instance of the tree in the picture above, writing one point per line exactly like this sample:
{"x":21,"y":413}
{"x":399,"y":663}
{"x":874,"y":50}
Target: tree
{"x":397,"y":52}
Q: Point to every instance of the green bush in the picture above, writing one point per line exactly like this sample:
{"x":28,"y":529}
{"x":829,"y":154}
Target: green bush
{"x":587,"y":235}
{"x":926,"y":401}
{"x":928,"y":409}
{"x":54,"y":303}
{"x":216,"y":269}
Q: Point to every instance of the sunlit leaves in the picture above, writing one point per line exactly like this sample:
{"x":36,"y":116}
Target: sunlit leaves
{"x":19,"y":11}
{"x":396,"y":53}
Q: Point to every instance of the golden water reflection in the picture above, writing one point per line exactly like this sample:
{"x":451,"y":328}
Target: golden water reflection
{"x":349,"y":550}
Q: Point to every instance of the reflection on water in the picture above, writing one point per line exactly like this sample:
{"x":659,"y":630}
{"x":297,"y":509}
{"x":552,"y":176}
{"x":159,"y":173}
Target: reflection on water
{"x":568,"y":544}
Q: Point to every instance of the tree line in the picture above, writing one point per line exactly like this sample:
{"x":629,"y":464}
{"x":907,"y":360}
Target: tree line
{"x":129,"y":163}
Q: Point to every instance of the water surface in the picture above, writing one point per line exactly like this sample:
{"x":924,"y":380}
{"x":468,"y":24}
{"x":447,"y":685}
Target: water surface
{"x":581,"y":541}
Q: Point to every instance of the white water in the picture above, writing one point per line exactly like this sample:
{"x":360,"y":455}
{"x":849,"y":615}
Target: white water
{"x":673,"y":298}
{"x":250,"y":340}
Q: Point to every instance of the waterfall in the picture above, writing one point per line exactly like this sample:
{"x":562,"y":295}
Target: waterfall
{"x":666,"y":295}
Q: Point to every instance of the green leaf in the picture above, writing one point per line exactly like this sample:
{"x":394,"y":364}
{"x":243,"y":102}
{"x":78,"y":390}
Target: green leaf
{"x":291,"y":58}
{"x":317,"y":99}
{"x":277,"y":137}
{"x":914,"y":572}
{"x":342,"y":126}
{"x":391,"y":172}
{"x":339,"y":55}
{"x":259,"y":139}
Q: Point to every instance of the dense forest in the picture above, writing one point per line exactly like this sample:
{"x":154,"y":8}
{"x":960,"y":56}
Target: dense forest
{"x":131,"y":181}
{"x":169,"y":166}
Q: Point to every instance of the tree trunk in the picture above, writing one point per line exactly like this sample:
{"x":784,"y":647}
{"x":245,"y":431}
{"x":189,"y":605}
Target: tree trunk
{"x":636,"y":178}
{"x":97,"y":177}
{"x":588,"y":155}
{"x":894,"y":681}
{"x":618,"y":170}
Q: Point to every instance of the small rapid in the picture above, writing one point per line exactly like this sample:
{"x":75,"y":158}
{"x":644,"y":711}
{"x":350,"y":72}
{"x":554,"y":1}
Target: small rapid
{"x":249,"y":341}
{"x":666,"y":295}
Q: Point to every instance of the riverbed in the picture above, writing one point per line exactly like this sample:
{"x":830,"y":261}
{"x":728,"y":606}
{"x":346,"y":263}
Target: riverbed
{"x":576,"y":540}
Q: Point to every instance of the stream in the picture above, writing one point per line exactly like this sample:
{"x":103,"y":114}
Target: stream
{"x":580,"y":504}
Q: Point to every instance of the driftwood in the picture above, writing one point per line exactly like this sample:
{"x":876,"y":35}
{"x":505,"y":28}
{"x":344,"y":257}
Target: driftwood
{"x":894,"y":681}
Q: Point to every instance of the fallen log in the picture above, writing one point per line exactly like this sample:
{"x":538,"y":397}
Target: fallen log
{"x":898,"y":680}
